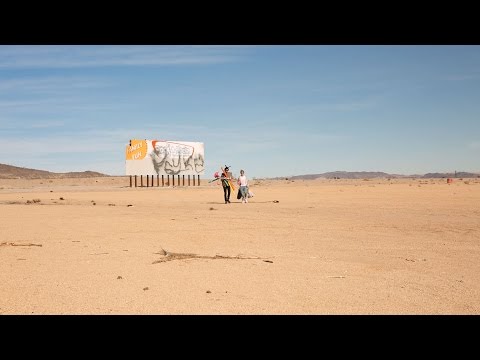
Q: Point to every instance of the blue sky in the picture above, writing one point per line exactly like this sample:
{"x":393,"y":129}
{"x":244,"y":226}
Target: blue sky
{"x":271,"y":110}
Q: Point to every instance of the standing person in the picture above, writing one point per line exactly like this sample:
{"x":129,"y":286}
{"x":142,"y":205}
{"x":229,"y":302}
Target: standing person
{"x":243,"y":182}
{"x":226,"y":184}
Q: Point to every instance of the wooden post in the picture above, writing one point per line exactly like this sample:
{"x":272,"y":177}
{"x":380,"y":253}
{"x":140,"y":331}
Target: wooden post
{"x":130,"y":180}
{"x":198,"y":184}
{"x":188,"y":180}
{"x":178,"y":182}
{"x":158,"y":180}
{"x":183,"y":180}
{"x":135,"y":180}
{"x":173,"y":180}
{"x":193,"y":180}
{"x":141,"y":180}
{"x":163,"y":181}
{"x":168,"y":180}
{"x":147,"y":179}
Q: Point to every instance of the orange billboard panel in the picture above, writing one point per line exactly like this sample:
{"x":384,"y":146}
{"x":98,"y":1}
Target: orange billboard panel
{"x":136,"y":150}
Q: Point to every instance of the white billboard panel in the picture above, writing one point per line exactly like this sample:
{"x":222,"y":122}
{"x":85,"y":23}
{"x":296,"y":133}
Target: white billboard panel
{"x":162,"y":157}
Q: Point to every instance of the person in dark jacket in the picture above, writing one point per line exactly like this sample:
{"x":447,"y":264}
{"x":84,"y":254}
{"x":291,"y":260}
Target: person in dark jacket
{"x":226,"y":178}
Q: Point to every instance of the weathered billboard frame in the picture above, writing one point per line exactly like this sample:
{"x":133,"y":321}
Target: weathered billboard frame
{"x":165,"y":159}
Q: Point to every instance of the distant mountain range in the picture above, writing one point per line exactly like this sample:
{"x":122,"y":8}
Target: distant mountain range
{"x":14,"y":172}
{"x":378,"y":174}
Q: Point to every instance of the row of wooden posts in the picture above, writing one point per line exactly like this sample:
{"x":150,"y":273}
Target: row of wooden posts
{"x":150,"y":179}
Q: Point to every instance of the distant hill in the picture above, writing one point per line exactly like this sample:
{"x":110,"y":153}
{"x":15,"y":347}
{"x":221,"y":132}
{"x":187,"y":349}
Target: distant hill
{"x":347,"y":175}
{"x":14,"y":172}
{"x":451,"y":175}
{"x":377,"y":174}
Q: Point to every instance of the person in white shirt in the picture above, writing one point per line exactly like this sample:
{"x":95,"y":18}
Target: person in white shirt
{"x":243,"y":182}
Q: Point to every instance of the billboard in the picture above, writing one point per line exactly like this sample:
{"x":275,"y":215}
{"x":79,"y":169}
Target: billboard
{"x":162,"y":157}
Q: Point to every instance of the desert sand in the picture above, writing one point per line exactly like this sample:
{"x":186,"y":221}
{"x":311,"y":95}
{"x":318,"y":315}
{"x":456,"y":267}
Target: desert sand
{"x":378,"y":246}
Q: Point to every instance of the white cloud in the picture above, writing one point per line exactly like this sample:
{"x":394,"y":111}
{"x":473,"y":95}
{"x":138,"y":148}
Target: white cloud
{"x":49,"y":84}
{"x":474,"y":145}
{"x":463,"y":77}
{"x":48,"y":124}
{"x":41,"y":56}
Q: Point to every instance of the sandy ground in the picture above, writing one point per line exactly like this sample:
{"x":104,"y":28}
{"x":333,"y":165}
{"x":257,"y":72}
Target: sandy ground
{"x":97,"y":246}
